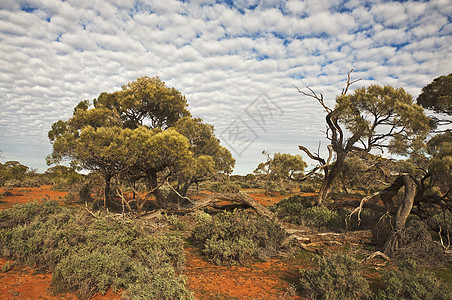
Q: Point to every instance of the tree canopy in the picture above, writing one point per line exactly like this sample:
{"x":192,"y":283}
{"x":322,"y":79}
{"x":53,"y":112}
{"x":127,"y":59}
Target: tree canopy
{"x":282,"y":166}
{"x":437,"y":95}
{"x":143,"y":132}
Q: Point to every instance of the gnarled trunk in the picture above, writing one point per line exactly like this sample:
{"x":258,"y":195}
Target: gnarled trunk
{"x":399,"y":210}
{"x":330,"y":175}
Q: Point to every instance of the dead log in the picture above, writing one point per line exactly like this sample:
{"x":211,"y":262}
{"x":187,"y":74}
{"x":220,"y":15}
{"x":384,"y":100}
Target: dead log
{"x":239,"y":198}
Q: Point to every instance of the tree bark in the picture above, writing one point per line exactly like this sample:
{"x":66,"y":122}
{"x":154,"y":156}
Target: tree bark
{"x":330,"y":175}
{"x":107,"y":190}
{"x":400,"y":209}
{"x":232,"y":197}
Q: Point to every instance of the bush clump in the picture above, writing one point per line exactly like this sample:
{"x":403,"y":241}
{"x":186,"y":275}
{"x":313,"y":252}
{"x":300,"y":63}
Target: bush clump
{"x":339,"y":276}
{"x":236,"y":237}
{"x":225,"y":187}
{"x":412,"y":282}
{"x":301,"y":211}
{"x":88,"y":255}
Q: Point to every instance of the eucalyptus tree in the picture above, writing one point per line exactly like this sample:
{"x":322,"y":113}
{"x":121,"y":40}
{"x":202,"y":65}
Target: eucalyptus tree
{"x":374,"y":118}
{"x":133,"y":133}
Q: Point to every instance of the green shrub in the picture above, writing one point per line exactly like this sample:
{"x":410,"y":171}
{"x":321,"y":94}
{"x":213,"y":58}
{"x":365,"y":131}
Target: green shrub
{"x":338,"y":276}
{"x":225,"y":187}
{"x":236,"y":237}
{"x":307,"y":188}
{"x":412,"y":282}
{"x":88,"y":255}
{"x":300,"y":210}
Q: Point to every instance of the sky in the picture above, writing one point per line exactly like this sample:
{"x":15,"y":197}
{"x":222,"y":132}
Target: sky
{"x":237,"y":63}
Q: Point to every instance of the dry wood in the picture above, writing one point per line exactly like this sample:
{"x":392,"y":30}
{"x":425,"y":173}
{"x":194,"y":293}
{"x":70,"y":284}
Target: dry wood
{"x":375,"y":254}
{"x":240,"y":198}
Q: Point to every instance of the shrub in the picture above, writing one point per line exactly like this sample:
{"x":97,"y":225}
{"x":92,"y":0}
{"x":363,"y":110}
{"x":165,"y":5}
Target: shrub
{"x":307,"y":188}
{"x":338,"y":276}
{"x":236,"y":237}
{"x":300,"y":210}
{"x":225,"y":187}
{"x":412,"y":282}
{"x":87,"y":255}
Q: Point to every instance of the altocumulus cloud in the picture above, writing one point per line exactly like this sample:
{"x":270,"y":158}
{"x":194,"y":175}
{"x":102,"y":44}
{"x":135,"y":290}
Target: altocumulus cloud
{"x":236,"y":61}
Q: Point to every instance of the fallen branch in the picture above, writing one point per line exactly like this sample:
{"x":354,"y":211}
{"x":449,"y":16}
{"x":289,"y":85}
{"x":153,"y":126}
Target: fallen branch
{"x":231,"y":197}
{"x":360,"y":208}
{"x":375,"y":254}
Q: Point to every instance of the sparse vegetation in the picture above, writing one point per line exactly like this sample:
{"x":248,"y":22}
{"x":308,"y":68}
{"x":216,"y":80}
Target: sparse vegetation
{"x":410,"y":281}
{"x":87,"y":254}
{"x":301,"y":210}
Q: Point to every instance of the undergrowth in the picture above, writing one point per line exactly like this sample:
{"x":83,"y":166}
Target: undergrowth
{"x":412,"y":282}
{"x":237,"y":237}
{"x":88,"y":255}
{"x":301,"y":211}
{"x":338,"y":276}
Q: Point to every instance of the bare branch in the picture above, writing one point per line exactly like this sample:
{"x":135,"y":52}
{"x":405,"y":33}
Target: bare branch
{"x":360,"y":208}
{"x":177,"y":193}
{"x":314,"y":95}
{"x":349,"y":83}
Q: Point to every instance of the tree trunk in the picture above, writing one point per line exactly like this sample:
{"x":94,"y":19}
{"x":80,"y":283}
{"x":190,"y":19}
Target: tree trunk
{"x":107,"y":189}
{"x":153,"y":186}
{"x":330,"y":175}
{"x":400,"y":209}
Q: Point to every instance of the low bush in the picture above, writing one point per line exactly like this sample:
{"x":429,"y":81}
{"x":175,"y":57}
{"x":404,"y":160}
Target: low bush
{"x":338,"y":276}
{"x":300,"y":210}
{"x":307,"y":187}
{"x":236,"y":237}
{"x":87,"y":254}
{"x":225,"y":187}
{"x":412,"y":282}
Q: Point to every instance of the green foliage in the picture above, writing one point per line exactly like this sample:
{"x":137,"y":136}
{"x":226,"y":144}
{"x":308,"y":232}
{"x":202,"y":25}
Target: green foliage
{"x":437,"y":95}
{"x":88,"y":255}
{"x":138,"y":133}
{"x":236,"y":237}
{"x":338,"y":276}
{"x":308,"y":187}
{"x":281,"y":166}
{"x":412,"y":282}
{"x":14,"y":174}
{"x":368,"y":109}
{"x":300,"y":210}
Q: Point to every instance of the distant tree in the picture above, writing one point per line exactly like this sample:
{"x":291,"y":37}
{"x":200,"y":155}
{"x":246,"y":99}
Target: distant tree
{"x":373,"y":118}
{"x":12,"y":170}
{"x":282,"y":166}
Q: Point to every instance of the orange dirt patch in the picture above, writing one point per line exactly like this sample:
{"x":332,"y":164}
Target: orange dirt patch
{"x":260,"y":280}
{"x":22,"y":195}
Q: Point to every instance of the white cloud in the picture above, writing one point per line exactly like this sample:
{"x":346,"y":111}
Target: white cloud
{"x":221,"y":57}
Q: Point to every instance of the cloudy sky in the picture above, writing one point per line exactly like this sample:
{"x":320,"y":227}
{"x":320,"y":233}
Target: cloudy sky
{"x":236,"y":61}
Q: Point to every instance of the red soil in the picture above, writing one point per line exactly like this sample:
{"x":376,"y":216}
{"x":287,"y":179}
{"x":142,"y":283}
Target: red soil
{"x":26,"y":194}
{"x":261,"y":280}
